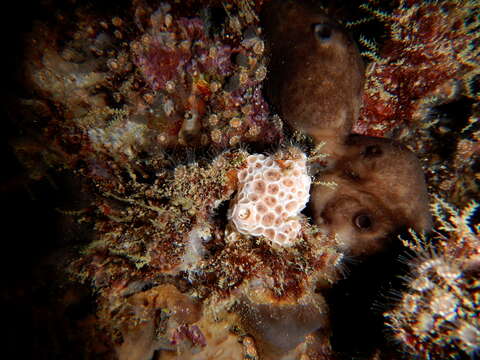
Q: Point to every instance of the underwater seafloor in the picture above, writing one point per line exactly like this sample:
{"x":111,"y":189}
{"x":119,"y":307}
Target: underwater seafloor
{"x":129,"y":126}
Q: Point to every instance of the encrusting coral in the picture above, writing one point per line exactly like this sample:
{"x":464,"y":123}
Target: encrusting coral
{"x":271,"y":193}
{"x":147,"y":109}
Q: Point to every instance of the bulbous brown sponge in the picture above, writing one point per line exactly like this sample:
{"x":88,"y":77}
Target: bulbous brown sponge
{"x":316,"y":74}
{"x":376,"y":188}
{"x":278,"y":328}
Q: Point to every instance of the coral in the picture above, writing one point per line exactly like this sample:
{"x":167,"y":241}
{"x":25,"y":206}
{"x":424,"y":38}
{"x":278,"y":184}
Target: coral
{"x":126,"y":87}
{"x":429,"y":58}
{"x":155,"y":110}
{"x":272,"y":191}
{"x":437,"y":316}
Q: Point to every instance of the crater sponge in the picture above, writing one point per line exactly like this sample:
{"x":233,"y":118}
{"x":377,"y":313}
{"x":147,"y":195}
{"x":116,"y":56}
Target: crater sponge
{"x":316,"y":73}
{"x":379,"y":190}
{"x":272,"y":192}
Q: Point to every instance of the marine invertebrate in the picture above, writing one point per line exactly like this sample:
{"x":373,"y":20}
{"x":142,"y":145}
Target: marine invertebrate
{"x":421,"y":66}
{"x":149,"y":82}
{"x":272,"y":192}
{"x":155,"y":224}
{"x":163,"y":304}
{"x":437,"y":316}
{"x":438,"y":313}
{"x":378,"y":188}
{"x":279,"y":328}
{"x":325,"y":100}
{"x":422,"y":87}
{"x":178,"y":240}
{"x":461,"y":240}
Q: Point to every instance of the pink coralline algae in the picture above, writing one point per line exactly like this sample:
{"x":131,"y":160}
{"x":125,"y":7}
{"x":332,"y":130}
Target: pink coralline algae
{"x":160,"y":59}
{"x":188,"y":69}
